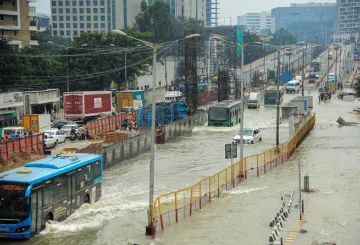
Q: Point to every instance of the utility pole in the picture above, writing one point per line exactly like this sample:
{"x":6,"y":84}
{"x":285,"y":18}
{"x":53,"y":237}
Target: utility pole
{"x":328,"y":61}
{"x":166,"y":81}
{"x":126,"y":83}
{"x":300,"y":203}
{"x":242,"y":106}
{"x":265,"y":74}
{"x":278,"y":101}
{"x":303,"y":75}
{"x":67,"y":70}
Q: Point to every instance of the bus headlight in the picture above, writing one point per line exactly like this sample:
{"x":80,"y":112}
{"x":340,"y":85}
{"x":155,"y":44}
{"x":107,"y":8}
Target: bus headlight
{"x":23,"y":228}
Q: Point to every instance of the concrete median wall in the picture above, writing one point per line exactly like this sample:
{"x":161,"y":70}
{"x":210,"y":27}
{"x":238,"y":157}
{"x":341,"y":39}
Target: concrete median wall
{"x":134,"y":146}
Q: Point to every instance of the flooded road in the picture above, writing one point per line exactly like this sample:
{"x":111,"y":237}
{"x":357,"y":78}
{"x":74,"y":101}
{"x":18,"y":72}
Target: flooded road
{"x":330,"y":156}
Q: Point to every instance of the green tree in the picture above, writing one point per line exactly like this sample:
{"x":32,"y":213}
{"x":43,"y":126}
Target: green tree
{"x":156,"y":18}
{"x":283,"y":37}
{"x":357,"y":87}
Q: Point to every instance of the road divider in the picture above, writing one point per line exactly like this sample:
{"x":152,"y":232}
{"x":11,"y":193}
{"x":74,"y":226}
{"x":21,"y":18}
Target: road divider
{"x":172,"y":207}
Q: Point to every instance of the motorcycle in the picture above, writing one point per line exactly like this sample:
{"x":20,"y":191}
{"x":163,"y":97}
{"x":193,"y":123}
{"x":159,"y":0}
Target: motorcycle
{"x":82,"y":136}
{"x":73,"y":137}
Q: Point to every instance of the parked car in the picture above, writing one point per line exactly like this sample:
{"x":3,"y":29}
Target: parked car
{"x":60,"y":124}
{"x":250,"y":136}
{"x":66,"y":129}
{"x":59,"y":135}
{"x":50,"y":141}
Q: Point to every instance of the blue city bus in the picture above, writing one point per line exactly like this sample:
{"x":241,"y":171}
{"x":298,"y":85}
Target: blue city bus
{"x":48,"y":189}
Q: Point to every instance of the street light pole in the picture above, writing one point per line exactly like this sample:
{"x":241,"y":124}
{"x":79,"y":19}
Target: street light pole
{"x":67,"y":70}
{"x":278,"y":101}
{"x":126,"y":83}
{"x":300,"y":202}
{"x":242,"y":105}
{"x":302,"y":74}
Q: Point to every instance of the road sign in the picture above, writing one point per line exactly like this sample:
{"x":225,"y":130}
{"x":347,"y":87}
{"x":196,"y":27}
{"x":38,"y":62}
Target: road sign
{"x":230,"y":151}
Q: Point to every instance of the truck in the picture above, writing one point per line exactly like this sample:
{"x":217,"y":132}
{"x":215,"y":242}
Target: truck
{"x":87,"y":105}
{"x":134,"y":99}
{"x":254,"y":100}
{"x":38,"y":123}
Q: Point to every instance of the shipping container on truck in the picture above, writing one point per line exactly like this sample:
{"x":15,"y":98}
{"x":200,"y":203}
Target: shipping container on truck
{"x":87,"y":105}
{"x":36,"y":122}
{"x":130,"y":98}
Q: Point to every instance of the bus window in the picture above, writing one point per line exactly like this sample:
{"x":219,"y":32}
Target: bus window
{"x":60,"y":187}
{"x":80,"y":179}
{"x":96,"y":167}
{"x":88,"y":175}
{"x":218,"y":114}
{"x":48,"y":192}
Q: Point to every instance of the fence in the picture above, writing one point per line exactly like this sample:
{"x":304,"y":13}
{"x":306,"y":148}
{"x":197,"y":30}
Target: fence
{"x":175,"y":206}
{"x":34,"y":143}
{"x":133,"y":146}
{"x":108,"y":124}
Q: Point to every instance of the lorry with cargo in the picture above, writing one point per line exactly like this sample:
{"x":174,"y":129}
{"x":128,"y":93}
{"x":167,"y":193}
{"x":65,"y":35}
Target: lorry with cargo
{"x":38,"y":123}
{"x":87,"y":105}
{"x":134,"y":99}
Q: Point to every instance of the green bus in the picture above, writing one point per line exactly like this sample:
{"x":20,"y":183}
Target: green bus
{"x":270,"y":97}
{"x":224,"y":114}
{"x":315,"y":65}
{"x":7,"y":119}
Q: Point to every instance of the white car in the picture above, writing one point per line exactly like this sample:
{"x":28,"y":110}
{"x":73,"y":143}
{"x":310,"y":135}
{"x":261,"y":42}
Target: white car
{"x":59,"y":135}
{"x":50,"y":141}
{"x":250,"y":136}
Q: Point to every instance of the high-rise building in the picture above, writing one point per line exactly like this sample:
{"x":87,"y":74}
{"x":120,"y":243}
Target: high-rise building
{"x":44,"y":21}
{"x":348,"y":19}
{"x":259,"y":23}
{"x":309,"y":22}
{"x":69,"y":18}
{"x":212,"y":15}
{"x":17,"y":20}
{"x":187,"y":8}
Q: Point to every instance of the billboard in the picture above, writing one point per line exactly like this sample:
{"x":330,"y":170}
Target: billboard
{"x":239,"y":40}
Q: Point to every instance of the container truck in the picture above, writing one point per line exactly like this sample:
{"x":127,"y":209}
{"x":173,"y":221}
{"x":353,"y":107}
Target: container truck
{"x":87,"y":105}
{"x":130,"y":98}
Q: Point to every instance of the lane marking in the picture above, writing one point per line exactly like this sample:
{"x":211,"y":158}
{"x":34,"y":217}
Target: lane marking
{"x":291,"y":235}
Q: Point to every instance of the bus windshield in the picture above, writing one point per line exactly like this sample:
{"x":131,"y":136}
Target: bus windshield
{"x":12,"y":200}
{"x":218,"y":114}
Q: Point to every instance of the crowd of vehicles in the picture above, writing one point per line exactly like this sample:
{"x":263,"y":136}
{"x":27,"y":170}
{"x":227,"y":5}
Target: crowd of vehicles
{"x":49,"y":189}
{"x":224,"y":114}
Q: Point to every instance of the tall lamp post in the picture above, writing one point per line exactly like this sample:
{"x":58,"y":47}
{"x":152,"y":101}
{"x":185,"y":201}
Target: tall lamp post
{"x":154,"y":47}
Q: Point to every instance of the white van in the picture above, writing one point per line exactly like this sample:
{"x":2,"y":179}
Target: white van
{"x":293,"y":86}
{"x":254,"y":100}
{"x":171,"y":96}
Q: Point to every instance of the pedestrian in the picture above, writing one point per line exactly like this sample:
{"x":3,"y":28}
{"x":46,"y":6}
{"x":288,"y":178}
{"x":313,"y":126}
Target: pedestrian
{"x":55,"y":109}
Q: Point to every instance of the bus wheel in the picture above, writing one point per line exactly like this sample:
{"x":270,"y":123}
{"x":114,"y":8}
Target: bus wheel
{"x":87,"y":199}
{"x":252,"y":142}
{"x":49,"y":217}
{"x":260,"y":139}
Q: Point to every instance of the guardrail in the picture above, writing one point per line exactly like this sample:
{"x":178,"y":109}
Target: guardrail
{"x":175,"y":206}
{"x":34,"y":143}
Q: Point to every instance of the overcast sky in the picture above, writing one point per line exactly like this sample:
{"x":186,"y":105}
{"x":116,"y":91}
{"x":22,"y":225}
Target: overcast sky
{"x":228,"y":8}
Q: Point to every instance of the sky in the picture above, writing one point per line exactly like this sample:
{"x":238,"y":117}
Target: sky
{"x":228,"y":8}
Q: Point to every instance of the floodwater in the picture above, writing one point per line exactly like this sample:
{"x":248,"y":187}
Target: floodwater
{"x":330,"y":157}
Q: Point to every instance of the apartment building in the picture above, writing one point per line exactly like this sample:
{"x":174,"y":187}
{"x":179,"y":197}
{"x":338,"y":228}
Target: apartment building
{"x":259,"y":23}
{"x":70,"y":18}
{"x":16,"y":22}
{"x":348,"y":19}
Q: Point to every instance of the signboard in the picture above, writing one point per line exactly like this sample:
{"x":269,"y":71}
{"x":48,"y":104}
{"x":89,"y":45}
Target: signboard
{"x":10,"y":187}
{"x":230,"y":151}
{"x":10,"y":98}
{"x":97,"y":102}
{"x":239,"y":40}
